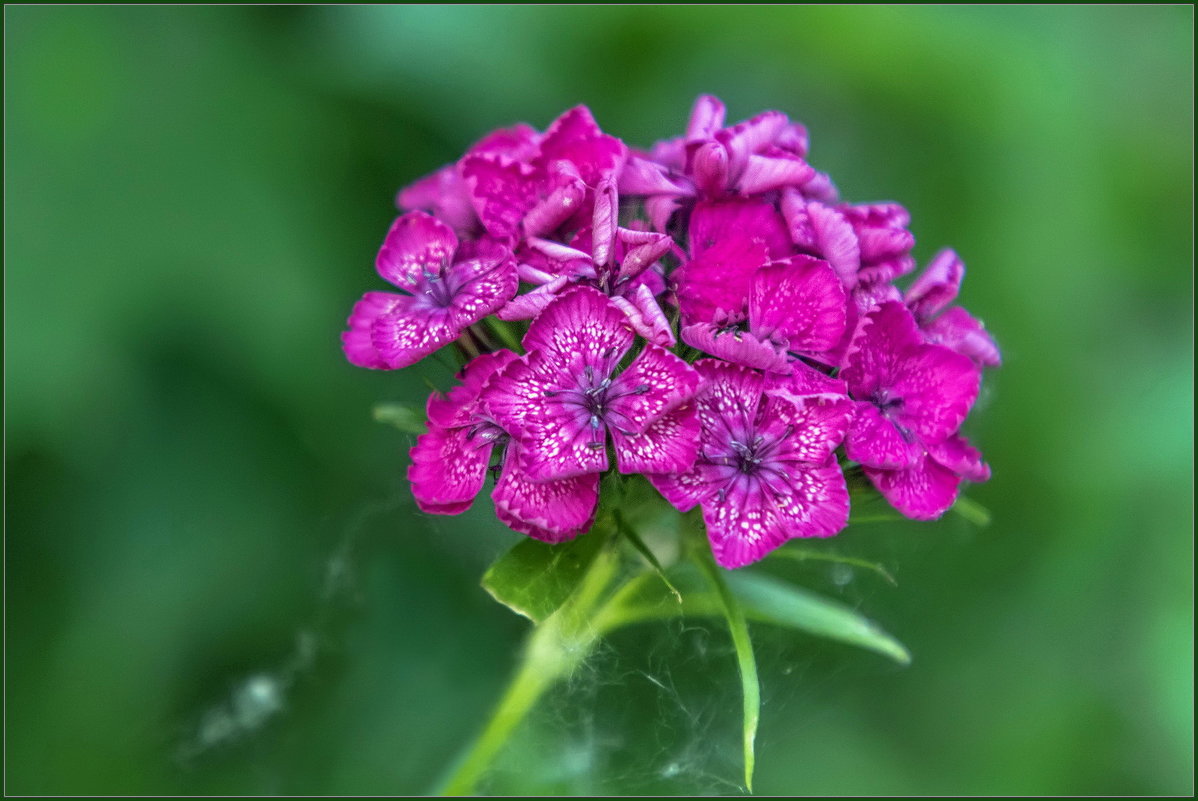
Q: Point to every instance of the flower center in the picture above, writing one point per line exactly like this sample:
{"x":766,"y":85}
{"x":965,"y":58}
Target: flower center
{"x":886,"y":404}
{"x":593,"y":397}
{"x":749,"y":455}
{"x":438,"y":286}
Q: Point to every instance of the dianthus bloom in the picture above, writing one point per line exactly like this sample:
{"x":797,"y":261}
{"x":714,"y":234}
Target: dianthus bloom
{"x":706,"y":313}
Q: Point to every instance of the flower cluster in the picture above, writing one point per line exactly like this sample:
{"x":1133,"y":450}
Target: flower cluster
{"x":706,"y":313}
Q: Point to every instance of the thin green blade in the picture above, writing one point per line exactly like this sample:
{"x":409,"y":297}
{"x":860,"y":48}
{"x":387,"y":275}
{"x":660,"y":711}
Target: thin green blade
{"x":770,"y":600}
{"x":749,"y":683}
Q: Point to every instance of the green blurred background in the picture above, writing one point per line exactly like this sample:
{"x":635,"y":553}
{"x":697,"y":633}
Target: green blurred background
{"x":216,"y":581}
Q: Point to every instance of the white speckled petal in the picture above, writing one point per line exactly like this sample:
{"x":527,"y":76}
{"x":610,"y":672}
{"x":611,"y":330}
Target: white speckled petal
{"x":417,"y":243}
{"x":552,"y":511}
{"x":668,"y":445}
{"x":581,"y":328}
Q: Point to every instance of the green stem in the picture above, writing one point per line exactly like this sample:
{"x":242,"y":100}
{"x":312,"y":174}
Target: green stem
{"x":526,"y":687}
{"x":554,"y":649}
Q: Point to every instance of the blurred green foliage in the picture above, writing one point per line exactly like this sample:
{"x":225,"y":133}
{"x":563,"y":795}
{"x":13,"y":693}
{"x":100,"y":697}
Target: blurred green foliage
{"x":196,"y":493}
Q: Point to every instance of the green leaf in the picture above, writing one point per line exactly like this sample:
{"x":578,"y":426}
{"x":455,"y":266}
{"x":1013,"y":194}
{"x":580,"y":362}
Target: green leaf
{"x":799,"y":553}
{"x":770,"y":600}
{"x":535,"y":578}
{"x":972,"y":511}
{"x":749,"y":684}
{"x":405,"y":418}
{"x":504,"y":332}
{"x":868,"y":506}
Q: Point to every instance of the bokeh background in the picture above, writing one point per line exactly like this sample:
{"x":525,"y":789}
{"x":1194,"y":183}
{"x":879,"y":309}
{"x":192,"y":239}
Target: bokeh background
{"x":216,"y":581}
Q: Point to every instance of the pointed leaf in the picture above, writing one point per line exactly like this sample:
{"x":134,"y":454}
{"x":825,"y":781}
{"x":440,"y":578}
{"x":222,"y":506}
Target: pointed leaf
{"x":798,"y":553}
{"x":770,"y":600}
{"x":535,"y":578}
{"x":972,"y":511}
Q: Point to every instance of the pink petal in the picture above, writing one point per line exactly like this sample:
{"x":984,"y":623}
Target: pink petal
{"x":604,"y":221}
{"x":753,"y":135}
{"x":922,"y":492}
{"x":357,"y":343}
{"x":555,"y":441}
{"x":740,"y":347}
{"x":707,"y":117}
{"x":686,"y":489}
{"x":669,"y":445}
{"x":806,"y":381}
{"x":959,"y":330}
{"x":645,"y":316}
{"x":484,"y":287}
{"x":581,"y":328}
{"x":565,"y":198}
{"x":763,"y":173}
{"x":728,"y":394}
{"x":957,"y":455}
{"x":739,"y":220}
{"x":873,"y":440}
{"x":821,"y":188}
{"x":802,"y":300}
{"x":710,"y":167}
{"x":885,"y":243}
{"x":937,"y":386}
{"x":743,"y":527}
{"x":879,"y":347}
{"x":817,"y":425}
{"x":410,"y":332}
{"x":659,"y":209}
{"x":818,"y":503}
{"x":575,"y":137}
{"x":877,"y":214}
{"x":417,"y":243}
{"x":502,"y":191}
{"x":868,"y":296}
{"x":656,"y":382}
{"x":641,"y":176}
{"x":793,"y":138}
{"x":823,"y":232}
{"x":518,"y":142}
{"x":444,"y":194}
{"x":670,"y":153}
{"x":936,"y":286}
{"x":456,"y":408}
{"x":887,"y":269}
{"x":532,"y":303}
{"x":878,"y":244}
{"x":448,"y":469}
{"x":552,"y":511}
{"x":644,"y":249}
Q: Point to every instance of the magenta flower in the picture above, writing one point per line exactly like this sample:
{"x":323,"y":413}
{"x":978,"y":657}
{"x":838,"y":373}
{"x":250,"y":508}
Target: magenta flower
{"x":449,"y":288}
{"x":729,"y":241}
{"x":712,"y":161}
{"x":883,"y":241}
{"x":450,"y":463}
{"x":535,"y":190}
{"x":795,"y":306}
{"x":935,"y":288}
{"x":446,"y":195}
{"x":615,"y":260}
{"x":560,"y":401}
{"x":766,"y":472}
{"x":823,"y":232}
{"x":910,"y":395}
